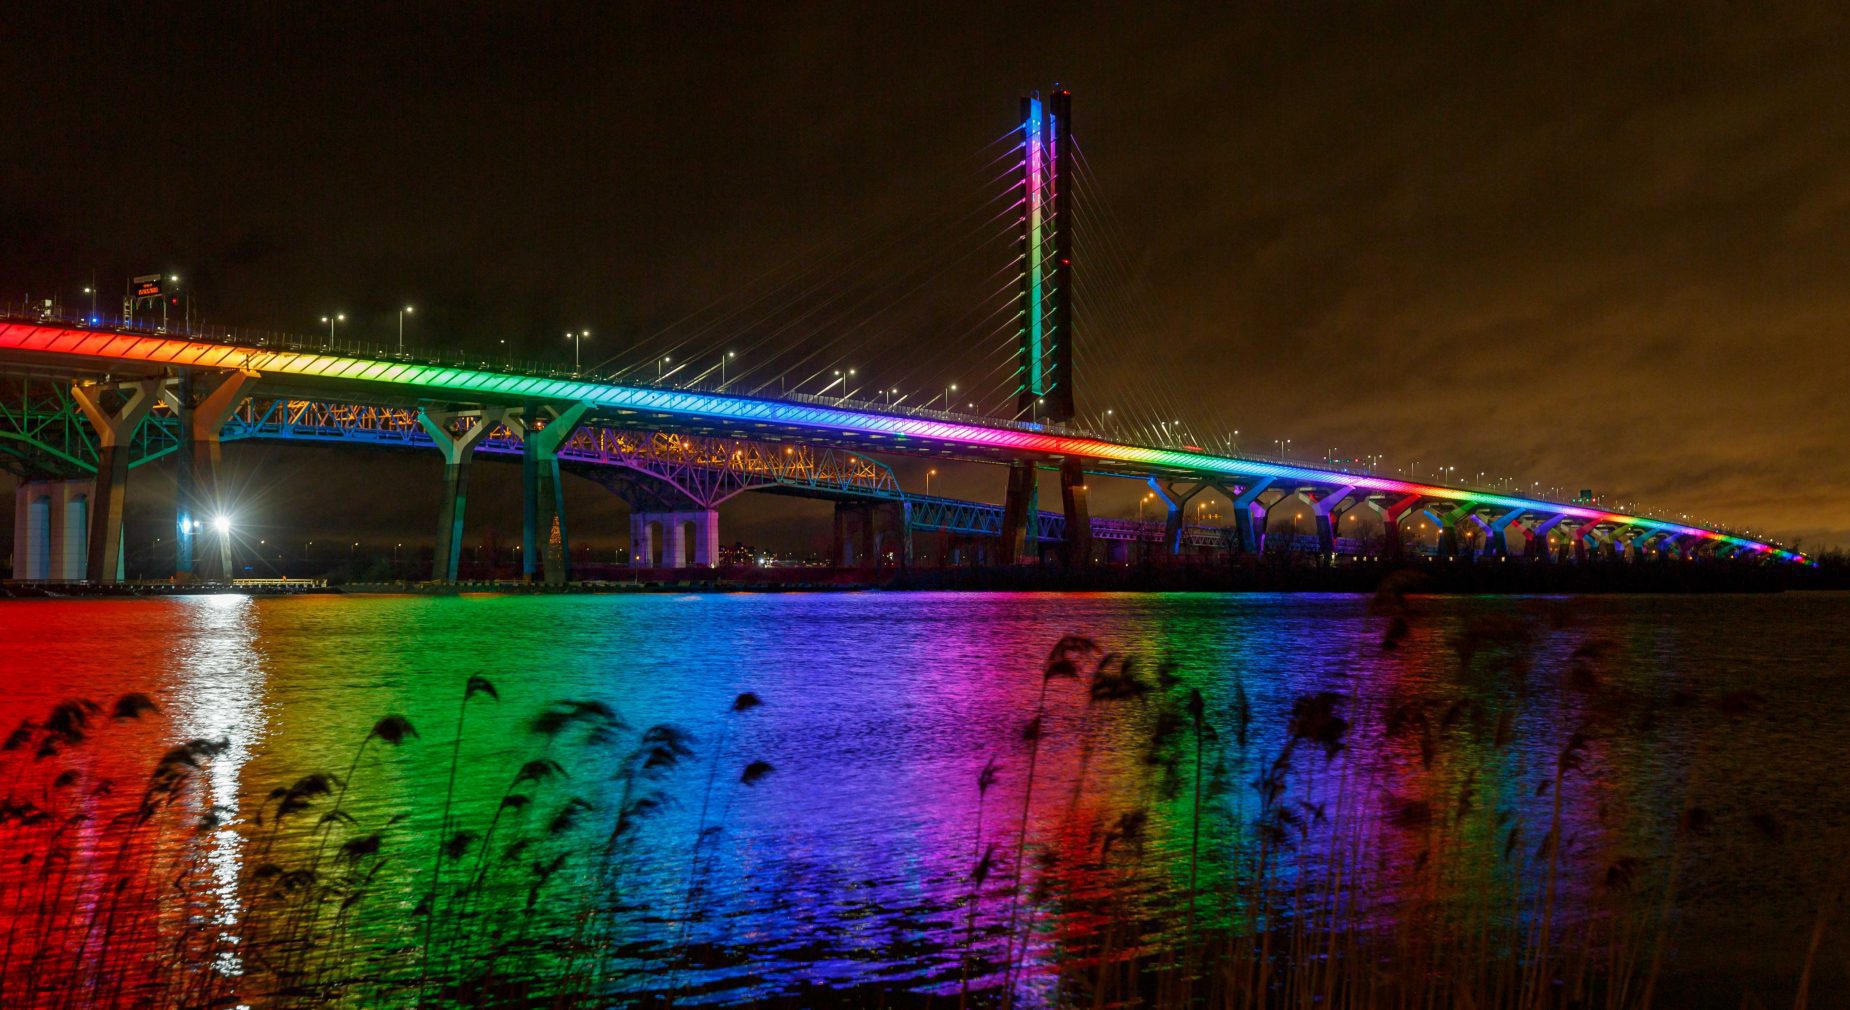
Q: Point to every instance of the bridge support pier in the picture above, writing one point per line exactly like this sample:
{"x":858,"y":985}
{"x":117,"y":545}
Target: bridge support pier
{"x":1249,"y":517}
{"x":545,"y":547}
{"x":1632,"y":548}
{"x":1176,"y":500}
{"x":1609,"y":544}
{"x":675,"y":545}
{"x":1448,"y":528}
{"x":115,"y":427}
{"x":1019,"y":520}
{"x":1536,"y":538}
{"x":1391,"y":516}
{"x":1579,"y":535}
{"x":50,"y":529}
{"x":1497,"y":532}
{"x":1321,"y":508}
{"x":458,"y":449}
{"x":878,"y":526}
{"x":203,"y":407}
{"x":1074,"y":495}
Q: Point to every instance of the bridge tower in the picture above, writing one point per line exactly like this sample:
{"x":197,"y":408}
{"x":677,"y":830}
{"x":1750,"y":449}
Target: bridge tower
{"x":1044,"y":358}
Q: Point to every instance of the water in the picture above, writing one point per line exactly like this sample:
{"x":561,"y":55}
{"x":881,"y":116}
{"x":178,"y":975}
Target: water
{"x":846,"y":867}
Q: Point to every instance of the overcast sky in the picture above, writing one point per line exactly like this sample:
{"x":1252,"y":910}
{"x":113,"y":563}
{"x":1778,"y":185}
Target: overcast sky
{"x":1597,"y":248}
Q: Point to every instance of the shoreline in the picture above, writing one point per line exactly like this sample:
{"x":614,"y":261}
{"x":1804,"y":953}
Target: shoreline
{"x":1458,"y":578}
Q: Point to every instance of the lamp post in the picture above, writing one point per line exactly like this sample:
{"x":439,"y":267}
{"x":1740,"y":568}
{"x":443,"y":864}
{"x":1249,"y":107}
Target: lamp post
{"x":338,"y":317}
{"x":658,"y":367}
{"x":948,"y":390}
{"x":929,"y":474}
{"x":722,"y":369}
{"x":577,"y":340}
{"x":402,"y":313}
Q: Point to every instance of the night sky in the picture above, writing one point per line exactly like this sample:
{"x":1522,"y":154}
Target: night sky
{"x":1603,"y":249}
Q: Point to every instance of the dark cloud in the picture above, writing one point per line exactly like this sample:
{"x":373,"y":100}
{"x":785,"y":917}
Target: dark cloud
{"x":1596,"y":247}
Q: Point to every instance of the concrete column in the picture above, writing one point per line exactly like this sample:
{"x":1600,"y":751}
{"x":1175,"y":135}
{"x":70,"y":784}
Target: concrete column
{"x":1632,"y":544}
{"x":1391,"y":516}
{"x":51,"y":530}
{"x":870,"y":558}
{"x":1176,"y":501}
{"x":674,"y":540}
{"x":1498,"y":532}
{"x":1537,"y":545}
{"x":1074,"y":495}
{"x":458,"y":449}
{"x":1320,"y":508}
{"x":202,"y":403}
{"x":906,"y":557}
{"x":838,"y":543}
{"x":642,"y":544}
{"x":545,"y":545}
{"x":1447,"y":522}
{"x":1579,"y":533}
{"x":706,"y":536}
{"x":115,"y":429}
{"x":1249,"y":517}
{"x":1018,"y":507}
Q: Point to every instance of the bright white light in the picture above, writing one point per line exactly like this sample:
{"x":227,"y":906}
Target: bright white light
{"x":221,"y":523}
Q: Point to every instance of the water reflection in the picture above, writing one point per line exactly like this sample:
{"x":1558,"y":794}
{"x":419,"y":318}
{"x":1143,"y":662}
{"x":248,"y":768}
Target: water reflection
{"x":1263,"y":767}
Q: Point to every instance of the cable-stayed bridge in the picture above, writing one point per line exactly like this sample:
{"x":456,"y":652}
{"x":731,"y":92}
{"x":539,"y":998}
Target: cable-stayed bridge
{"x":86,"y":402}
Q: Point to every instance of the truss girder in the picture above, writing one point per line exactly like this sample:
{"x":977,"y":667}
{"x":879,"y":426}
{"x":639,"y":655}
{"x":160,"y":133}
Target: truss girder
{"x":707,"y":470}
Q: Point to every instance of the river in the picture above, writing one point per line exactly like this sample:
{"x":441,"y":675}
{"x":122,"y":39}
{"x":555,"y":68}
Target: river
{"x":808,"y":823}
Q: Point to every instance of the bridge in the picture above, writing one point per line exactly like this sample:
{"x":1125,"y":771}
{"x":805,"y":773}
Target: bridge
{"x":83,"y":403}
{"x":101,"y":401}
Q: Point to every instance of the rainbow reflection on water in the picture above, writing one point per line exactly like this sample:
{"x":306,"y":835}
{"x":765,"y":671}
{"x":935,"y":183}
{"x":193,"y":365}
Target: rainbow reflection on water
{"x":847,"y":868}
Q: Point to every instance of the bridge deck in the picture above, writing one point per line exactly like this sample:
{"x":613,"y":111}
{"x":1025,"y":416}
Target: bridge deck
{"x":282,"y":371}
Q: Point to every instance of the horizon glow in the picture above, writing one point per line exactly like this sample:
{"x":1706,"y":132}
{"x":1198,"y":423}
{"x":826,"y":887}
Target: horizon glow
{"x":166,"y":350}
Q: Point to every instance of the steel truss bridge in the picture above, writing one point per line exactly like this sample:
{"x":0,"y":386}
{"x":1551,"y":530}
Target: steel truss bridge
{"x":82,"y":400}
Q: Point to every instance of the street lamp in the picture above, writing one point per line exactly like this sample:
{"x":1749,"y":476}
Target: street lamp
{"x":658,"y":367}
{"x":1147,"y":496}
{"x":929,"y":474}
{"x":948,"y":390}
{"x":577,"y":340}
{"x":722,"y":369}
{"x":402,"y":313}
{"x":338,"y":317}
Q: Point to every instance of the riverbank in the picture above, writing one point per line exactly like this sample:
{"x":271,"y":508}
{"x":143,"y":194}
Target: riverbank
{"x":1463,"y":577}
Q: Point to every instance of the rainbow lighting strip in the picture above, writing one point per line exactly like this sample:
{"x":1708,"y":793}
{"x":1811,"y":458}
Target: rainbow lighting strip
{"x":464,"y":383}
{"x":1036,"y":173}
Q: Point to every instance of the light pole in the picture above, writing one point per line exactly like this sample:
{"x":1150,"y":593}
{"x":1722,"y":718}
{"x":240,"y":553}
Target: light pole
{"x":722,"y":369}
{"x":929,"y":474}
{"x":338,"y":317}
{"x":1281,"y":443}
{"x":402,"y":313}
{"x":91,"y":291}
{"x":577,"y":340}
{"x":1140,"y":502}
{"x":948,"y":390}
{"x":658,"y":367}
